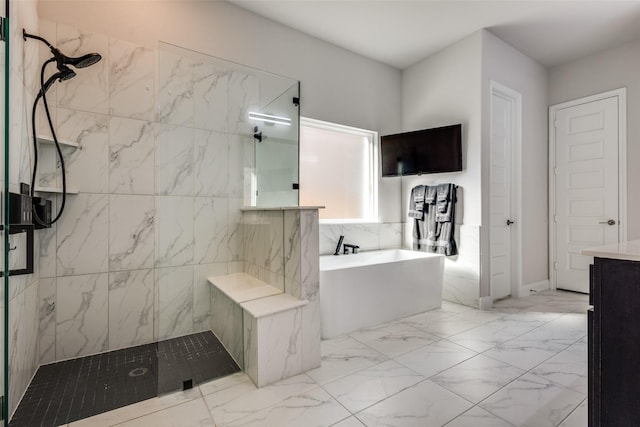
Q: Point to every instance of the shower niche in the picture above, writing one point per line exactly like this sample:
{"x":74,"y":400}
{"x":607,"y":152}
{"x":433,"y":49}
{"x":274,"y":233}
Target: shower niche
{"x":48,"y":180}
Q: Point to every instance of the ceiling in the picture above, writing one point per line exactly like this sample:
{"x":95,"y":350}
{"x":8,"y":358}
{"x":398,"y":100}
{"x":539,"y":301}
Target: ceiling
{"x":403,"y":32}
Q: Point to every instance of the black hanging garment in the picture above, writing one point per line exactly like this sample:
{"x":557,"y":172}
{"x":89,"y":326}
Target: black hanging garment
{"x":434,"y":223}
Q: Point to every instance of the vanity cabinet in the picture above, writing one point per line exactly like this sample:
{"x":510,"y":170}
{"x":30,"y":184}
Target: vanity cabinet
{"x":614,"y":341}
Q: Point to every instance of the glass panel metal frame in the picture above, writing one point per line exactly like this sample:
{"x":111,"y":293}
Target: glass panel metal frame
{"x":5,"y":216}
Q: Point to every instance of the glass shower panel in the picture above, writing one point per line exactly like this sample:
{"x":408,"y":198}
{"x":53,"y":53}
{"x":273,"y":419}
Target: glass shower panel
{"x":4,"y":178}
{"x":276,"y":134}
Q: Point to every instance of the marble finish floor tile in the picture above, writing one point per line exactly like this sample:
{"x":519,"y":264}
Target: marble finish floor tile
{"x":336,"y":344}
{"x":366,"y":378}
{"x":315,"y":408}
{"x":451,"y":307}
{"x":478,"y":417}
{"x":422,"y":320}
{"x":532,"y":318}
{"x":222,"y":383}
{"x":556,"y":333}
{"x":490,"y":335}
{"x":533,"y":401}
{"x":434,"y":358}
{"x":449,"y":326}
{"x":579,"y":417}
{"x":146,"y":407}
{"x":235,"y":402}
{"x":477,"y":378}
{"x":567,"y":368}
{"x":525,"y":353}
{"x":479,"y":316}
{"x":349,"y":422}
{"x":365,"y":388}
{"x":425,"y":404}
{"x":344,"y":362}
{"x":190,"y":414}
{"x":394,"y":339}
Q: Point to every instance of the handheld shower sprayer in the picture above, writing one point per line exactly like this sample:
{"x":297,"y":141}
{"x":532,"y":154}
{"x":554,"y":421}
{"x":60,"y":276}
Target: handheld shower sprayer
{"x":64,"y":73}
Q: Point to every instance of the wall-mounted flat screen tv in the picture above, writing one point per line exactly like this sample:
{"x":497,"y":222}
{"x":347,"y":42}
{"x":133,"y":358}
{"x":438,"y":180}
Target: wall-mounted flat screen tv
{"x":423,"y":151}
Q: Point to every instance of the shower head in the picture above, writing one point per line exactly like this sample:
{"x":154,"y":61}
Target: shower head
{"x":78,"y":62}
{"x":62,"y":59}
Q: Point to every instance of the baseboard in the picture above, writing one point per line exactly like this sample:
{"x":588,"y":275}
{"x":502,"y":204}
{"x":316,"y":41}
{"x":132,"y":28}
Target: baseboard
{"x":540,"y":286}
{"x":485,"y":303}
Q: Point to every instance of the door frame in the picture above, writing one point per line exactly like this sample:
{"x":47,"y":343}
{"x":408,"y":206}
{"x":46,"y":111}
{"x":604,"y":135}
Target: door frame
{"x":515,"y":197}
{"x":621,"y":93}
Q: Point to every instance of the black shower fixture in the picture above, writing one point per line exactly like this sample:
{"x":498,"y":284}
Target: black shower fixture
{"x":64,"y":73}
{"x":62,"y":59}
{"x":257,"y":134}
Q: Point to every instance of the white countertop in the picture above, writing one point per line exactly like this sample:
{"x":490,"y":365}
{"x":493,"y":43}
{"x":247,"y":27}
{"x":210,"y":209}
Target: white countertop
{"x":624,"y":250}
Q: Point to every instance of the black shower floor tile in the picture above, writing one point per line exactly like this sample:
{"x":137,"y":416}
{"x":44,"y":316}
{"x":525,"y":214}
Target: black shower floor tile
{"x":71,"y":390}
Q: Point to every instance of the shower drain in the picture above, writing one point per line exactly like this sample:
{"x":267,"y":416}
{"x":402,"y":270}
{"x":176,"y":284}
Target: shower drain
{"x":136,"y":372}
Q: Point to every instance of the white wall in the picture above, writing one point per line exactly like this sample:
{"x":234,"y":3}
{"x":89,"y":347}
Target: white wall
{"x":441,"y":90}
{"x":507,"y":66}
{"x":611,"y":69}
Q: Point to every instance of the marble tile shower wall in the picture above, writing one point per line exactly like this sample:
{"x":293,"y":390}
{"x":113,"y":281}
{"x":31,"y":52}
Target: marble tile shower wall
{"x":368,"y":236}
{"x":264,"y":239}
{"x":163,"y":147}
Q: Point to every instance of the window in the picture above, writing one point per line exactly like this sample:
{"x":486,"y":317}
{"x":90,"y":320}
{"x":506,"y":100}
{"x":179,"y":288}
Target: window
{"x":338,"y":170}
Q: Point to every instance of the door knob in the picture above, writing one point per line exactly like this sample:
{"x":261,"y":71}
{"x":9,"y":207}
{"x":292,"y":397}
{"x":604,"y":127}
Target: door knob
{"x":509,"y":222}
{"x":609,"y":222}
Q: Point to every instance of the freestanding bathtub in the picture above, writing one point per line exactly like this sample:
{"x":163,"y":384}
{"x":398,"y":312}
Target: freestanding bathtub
{"x":365,"y":289}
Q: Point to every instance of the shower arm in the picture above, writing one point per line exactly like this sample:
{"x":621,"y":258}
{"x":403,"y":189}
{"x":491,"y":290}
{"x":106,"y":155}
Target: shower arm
{"x":26,"y":35}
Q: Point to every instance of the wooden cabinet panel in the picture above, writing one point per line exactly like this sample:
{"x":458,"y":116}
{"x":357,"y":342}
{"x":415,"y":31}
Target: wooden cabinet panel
{"x":614,"y":344}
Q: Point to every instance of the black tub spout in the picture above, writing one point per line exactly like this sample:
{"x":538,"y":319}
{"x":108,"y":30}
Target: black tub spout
{"x":337,"y":252}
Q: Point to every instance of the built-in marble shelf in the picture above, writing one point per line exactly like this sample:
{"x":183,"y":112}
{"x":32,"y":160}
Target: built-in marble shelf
{"x":55,"y":190}
{"x":43,"y":139}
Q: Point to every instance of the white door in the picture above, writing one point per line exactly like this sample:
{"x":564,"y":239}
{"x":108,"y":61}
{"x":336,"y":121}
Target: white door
{"x":503,"y":138}
{"x":586,"y":187}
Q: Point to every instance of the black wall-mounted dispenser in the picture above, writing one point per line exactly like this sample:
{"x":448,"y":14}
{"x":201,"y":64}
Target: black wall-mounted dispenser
{"x":21,"y":221}
{"x":20,"y":209}
{"x":42,"y":208}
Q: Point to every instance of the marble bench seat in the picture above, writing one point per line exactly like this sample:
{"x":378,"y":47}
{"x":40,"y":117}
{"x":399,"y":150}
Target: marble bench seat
{"x":242,"y":287}
{"x":259,"y":325}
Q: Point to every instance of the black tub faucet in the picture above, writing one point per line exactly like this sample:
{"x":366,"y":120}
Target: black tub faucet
{"x":354,"y":248}
{"x":337,"y":252}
